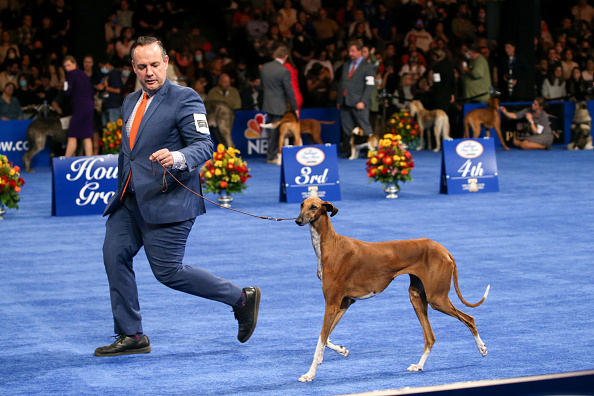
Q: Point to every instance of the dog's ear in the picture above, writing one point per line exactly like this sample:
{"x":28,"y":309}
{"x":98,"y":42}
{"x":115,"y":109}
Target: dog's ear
{"x":330,"y":208}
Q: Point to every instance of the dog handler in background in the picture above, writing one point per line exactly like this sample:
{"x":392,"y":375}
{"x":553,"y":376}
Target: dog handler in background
{"x":354,"y":92}
{"x":163,"y":123}
{"x":541,"y":135}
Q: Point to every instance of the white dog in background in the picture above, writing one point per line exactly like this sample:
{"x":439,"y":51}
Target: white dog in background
{"x":438,"y":119}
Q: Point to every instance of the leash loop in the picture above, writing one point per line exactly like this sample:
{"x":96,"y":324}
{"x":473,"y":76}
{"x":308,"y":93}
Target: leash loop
{"x":164,"y":188}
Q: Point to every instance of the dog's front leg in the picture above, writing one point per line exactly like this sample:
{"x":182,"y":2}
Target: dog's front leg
{"x":330,"y":319}
{"x":338,"y":348}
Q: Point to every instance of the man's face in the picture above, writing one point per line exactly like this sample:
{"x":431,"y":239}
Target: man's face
{"x":69,"y":66}
{"x":354,"y":53}
{"x":149,"y":66}
{"x":510,"y":50}
{"x":224,"y":82}
{"x":88,"y":63}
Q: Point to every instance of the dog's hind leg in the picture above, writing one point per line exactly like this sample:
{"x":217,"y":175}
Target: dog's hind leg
{"x":346,"y":303}
{"x":418,"y":298}
{"x":500,"y":136}
{"x":331,"y":318}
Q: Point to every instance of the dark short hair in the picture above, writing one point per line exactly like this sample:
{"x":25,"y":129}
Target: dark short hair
{"x":357,"y":43}
{"x":147,"y":40}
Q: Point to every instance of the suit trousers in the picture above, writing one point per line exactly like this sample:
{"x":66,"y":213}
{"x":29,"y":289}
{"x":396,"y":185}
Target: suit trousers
{"x":164,"y":245}
{"x":274,"y":134}
{"x":350,"y":118}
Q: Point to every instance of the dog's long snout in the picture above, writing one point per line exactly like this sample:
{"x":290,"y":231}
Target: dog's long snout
{"x":301,"y":221}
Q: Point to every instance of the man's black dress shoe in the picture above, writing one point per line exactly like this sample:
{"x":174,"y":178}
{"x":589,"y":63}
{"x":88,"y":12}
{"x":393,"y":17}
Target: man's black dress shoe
{"x":247,"y":315}
{"x":125,"y":345}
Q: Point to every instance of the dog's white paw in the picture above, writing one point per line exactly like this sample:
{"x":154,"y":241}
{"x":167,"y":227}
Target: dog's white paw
{"x":343,"y":351}
{"x":419,"y":148}
{"x":415,"y":367}
{"x":437,"y":149}
{"x":307,"y":378}
{"x":483,"y":350}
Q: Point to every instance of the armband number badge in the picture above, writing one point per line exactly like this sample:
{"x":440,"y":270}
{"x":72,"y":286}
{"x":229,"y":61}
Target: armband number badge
{"x":201,"y":124}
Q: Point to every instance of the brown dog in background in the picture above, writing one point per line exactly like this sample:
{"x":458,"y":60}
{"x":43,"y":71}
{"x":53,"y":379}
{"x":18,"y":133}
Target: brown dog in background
{"x":488,"y":117}
{"x":291,"y":127}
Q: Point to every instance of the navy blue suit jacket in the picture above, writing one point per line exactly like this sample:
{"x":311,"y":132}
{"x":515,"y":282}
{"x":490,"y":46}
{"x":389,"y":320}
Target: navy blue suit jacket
{"x":168,"y":122}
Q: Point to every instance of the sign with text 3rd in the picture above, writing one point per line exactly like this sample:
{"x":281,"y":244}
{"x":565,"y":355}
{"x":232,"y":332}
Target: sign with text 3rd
{"x":310,"y":171}
{"x":469,"y":166}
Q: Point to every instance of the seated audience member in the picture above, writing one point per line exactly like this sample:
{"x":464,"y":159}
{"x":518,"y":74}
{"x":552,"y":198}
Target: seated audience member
{"x":303,"y":47}
{"x":318,"y":86}
{"x":540,"y":75}
{"x":24,"y":92}
{"x":588,"y":72}
{"x":423,"y":37}
{"x":356,"y":30}
{"x":45,"y":91}
{"x":383,"y":27}
{"x":10,"y":107}
{"x":287,"y":17}
{"x":225,"y":92}
{"x":10,"y":73}
{"x":128,"y":76}
{"x":413,"y":67}
{"x":252,"y":96}
{"x":576,"y":86}
{"x":539,"y":133}
{"x":553,"y":86}
{"x":568,"y":64}
{"x":325,"y":28}
{"x":404,"y":93}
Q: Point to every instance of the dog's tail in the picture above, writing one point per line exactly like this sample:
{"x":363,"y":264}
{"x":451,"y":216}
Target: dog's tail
{"x":271,"y":124}
{"x":460,"y":294}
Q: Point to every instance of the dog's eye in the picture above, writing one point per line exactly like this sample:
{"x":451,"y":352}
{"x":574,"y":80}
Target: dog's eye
{"x":313,"y":207}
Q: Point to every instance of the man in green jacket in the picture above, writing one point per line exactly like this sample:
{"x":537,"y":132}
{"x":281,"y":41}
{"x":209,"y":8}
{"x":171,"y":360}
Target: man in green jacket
{"x":476,"y":77}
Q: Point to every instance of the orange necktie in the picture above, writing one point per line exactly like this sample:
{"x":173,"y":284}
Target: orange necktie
{"x":352,"y":70}
{"x":134,"y":131}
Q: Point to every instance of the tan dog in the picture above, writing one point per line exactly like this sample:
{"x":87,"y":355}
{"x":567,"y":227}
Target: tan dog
{"x":438,"y":119}
{"x":488,"y":117}
{"x":291,"y":127}
{"x":353,"y":270}
{"x":359,"y":141}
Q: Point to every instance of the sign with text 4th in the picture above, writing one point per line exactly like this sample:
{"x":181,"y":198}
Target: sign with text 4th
{"x":469,"y":166}
{"x":309,"y":171}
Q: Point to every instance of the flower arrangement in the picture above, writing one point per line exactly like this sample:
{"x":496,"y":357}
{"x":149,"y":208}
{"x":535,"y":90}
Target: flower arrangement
{"x":225,"y":171}
{"x":112,"y":137}
{"x":10,"y":183}
{"x":390,"y":163}
{"x":404,"y":125}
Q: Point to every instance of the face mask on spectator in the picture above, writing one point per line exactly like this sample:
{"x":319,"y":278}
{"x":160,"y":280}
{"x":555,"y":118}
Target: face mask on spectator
{"x":126,"y":73}
{"x":198,"y":58}
{"x":104,"y":70}
{"x":23,"y":83}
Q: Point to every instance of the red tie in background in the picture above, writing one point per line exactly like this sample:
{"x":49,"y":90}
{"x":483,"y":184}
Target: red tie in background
{"x":352,"y":70}
{"x":134,"y":131}
{"x":350,"y":75}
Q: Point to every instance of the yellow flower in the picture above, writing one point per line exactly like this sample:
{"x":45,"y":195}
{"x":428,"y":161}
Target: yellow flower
{"x":398,"y":137}
{"x":400,"y":125}
{"x":374,"y":160}
{"x":388,"y":136}
{"x":403,"y":163}
{"x":218,"y":164}
{"x":392,"y":121}
{"x":408,"y":127}
{"x":370,"y":153}
{"x":11,"y":172}
{"x":220,"y":148}
{"x":208,"y":175}
{"x":396,"y":158}
{"x":217,"y":172}
{"x":231,"y":160}
{"x":387,"y":143}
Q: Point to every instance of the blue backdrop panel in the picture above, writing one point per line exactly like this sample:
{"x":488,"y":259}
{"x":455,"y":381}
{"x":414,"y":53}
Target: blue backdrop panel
{"x":250,"y":139}
{"x":309,"y":171}
{"x":469,"y":166}
{"x":83,"y":185}
{"x":13,"y":143}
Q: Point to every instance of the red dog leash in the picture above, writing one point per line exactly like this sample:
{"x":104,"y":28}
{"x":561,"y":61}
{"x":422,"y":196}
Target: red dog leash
{"x":164,"y":188}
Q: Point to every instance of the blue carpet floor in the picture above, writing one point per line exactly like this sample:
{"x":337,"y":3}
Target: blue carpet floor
{"x":532,"y":241}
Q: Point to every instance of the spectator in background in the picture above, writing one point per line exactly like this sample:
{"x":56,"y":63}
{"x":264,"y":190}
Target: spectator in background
{"x":257,"y":27}
{"x":6,"y":44}
{"x":413,"y":67}
{"x":325,"y":28}
{"x":588,"y":72}
{"x":305,"y":20}
{"x":125,"y":14}
{"x":80,"y":92}
{"x":110,"y":92}
{"x":423,"y":37}
{"x":225,"y":92}
{"x":346,"y":14}
{"x":11,"y":16}
{"x":124,"y":42}
{"x":24,"y":92}
{"x":553,"y":86}
{"x":513,"y":75}
{"x":540,"y":135}
{"x":568,"y":64}
{"x":128,"y":77}
{"x":360,"y":28}
{"x":383,"y":28}
{"x":148,"y":20}
{"x":10,"y":73}
{"x":583,"y":11}
{"x":10,"y":107}
{"x":303,"y":47}
{"x":252,"y":97}
{"x":61,"y":17}
{"x":462,"y":27}
{"x":113,"y":29}
{"x":25,"y":33}
{"x":402,"y":96}
{"x":442,"y":81}
{"x":476,"y":77}
{"x":45,"y":91}
{"x":287,"y":17}
{"x":312,"y":7}
{"x":576,"y":86}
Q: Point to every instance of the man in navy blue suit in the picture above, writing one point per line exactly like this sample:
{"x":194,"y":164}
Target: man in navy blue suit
{"x":164,"y":123}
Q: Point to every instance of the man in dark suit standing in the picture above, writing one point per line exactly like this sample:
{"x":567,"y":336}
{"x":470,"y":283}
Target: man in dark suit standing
{"x":354,"y":92}
{"x":513,"y":75}
{"x":276,"y":82}
{"x":164,"y":123}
